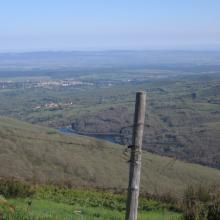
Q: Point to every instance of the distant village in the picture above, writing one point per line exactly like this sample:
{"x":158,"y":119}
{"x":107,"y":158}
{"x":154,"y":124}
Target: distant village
{"x":10,"y":84}
{"x":52,"y":106}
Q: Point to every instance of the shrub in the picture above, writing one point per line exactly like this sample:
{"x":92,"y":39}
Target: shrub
{"x":15,"y":188}
{"x":201,"y":203}
{"x":164,"y":200}
{"x":5,"y":207}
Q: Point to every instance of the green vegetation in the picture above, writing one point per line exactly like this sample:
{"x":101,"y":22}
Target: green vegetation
{"x":48,"y":210}
{"x":201,"y":203}
{"x":50,"y":202}
{"x":65,"y":202}
{"x":15,"y":188}
{"x":182,"y":122}
{"x":182,"y":119}
{"x":43,"y":155}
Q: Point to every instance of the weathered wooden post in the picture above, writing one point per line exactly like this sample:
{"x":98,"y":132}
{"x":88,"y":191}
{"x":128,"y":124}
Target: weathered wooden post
{"x":135,"y":158}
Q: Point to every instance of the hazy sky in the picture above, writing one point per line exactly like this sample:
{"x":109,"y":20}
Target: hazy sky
{"x":109,"y":24}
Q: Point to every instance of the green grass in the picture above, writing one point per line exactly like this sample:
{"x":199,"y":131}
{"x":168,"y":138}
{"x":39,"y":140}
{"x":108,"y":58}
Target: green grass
{"x":43,"y":209}
{"x":60,"y":203}
{"x":99,"y":198}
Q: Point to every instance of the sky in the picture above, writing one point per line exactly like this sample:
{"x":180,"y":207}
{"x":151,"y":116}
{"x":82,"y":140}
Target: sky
{"x":36,"y":25}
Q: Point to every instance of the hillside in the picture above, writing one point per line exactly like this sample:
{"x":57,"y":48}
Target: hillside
{"x":42,"y":154}
{"x":182,"y":121}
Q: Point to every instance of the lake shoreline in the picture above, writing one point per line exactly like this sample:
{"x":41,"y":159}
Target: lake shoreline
{"x":106,"y":137}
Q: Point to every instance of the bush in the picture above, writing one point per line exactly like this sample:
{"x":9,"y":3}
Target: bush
{"x":5,"y":207}
{"x":201,"y":203}
{"x":15,"y":188}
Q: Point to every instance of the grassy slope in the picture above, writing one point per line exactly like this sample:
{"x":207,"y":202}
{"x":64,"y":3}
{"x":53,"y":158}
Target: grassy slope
{"x":42,"y":154}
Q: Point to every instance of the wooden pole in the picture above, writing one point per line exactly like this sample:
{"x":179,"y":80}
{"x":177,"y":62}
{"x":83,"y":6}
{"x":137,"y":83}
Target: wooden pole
{"x":135,"y":158}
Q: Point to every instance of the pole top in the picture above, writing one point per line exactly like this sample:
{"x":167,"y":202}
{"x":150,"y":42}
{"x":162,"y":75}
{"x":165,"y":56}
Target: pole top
{"x":140,"y":92}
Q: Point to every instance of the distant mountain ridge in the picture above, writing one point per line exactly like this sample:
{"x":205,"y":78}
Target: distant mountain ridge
{"x":109,"y":60}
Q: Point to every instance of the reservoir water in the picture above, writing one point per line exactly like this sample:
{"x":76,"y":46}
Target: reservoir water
{"x":106,"y":137}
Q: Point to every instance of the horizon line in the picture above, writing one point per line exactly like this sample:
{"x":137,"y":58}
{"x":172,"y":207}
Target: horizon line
{"x":109,"y":50}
